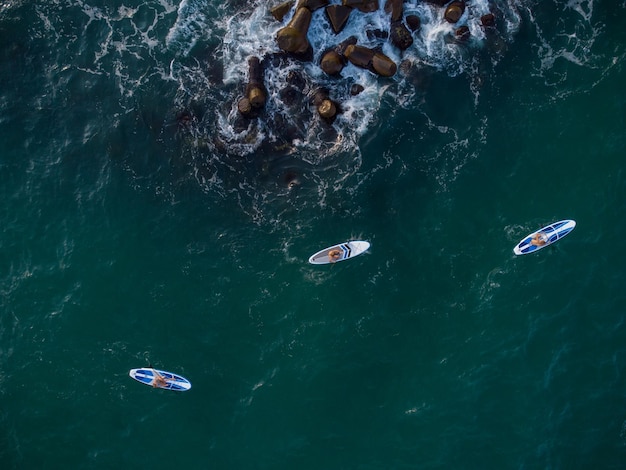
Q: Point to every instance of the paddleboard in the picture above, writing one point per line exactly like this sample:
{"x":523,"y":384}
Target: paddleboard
{"x":548,"y":234}
{"x":174,"y":381}
{"x":341,"y":252}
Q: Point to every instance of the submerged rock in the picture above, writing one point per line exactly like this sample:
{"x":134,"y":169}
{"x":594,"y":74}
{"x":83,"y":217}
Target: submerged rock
{"x":488,"y":20}
{"x":413,"y":22}
{"x":356,"y":88}
{"x":373,"y":34}
{"x":462,"y":34}
{"x":400,"y":36}
{"x":296,"y":79}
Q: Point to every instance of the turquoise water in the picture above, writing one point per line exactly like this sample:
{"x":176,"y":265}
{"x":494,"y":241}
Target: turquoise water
{"x":131,"y":237}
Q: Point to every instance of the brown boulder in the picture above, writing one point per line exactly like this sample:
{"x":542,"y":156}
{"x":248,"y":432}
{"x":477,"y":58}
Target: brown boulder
{"x":255,"y":90}
{"x":372,"y":60}
{"x":454,"y":11}
{"x":365,"y":6}
{"x":359,"y":55}
{"x":256,"y":96}
{"x":338,"y":16}
{"x":332,"y":63}
{"x":327,"y":109}
{"x":312,"y":4}
{"x":255,"y":71}
{"x":383,"y":65}
{"x":279,"y":11}
{"x":244,"y":106}
{"x":292,"y":38}
{"x":395,"y":7}
{"x":341,"y":48}
{"x":400,"y":36}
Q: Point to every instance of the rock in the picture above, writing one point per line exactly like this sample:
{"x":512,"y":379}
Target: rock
{"x":454,"y":11}
{"x":255,"y":71}
{"x":462,"y":33}
{"x":338,"y":16}
{"x":327,"y":109}
{"x":372,"y":60}
{"x":395,"y":7}
{"x":255,"y":94}
{"x":365,"y":6}
{"x":400,"y":36}
{"x":244,"y":106}
{"x":373,"y":34}
{"x":291,"y":179}
{"x":488,"y":20}
{"x":312,"y":5}
{"x":359,"y":55}
{"x":413,"y":22}
{"x":296,"y":79}
{"x":255,"y":90}
{"x":292,"y":38}
{"x":355,"y":89}
{"x":290,"y":95}
{"x":332,"y":63}
{"x":341,"y":48}
{"x":279,"y":11}
{"x":383,"y":65}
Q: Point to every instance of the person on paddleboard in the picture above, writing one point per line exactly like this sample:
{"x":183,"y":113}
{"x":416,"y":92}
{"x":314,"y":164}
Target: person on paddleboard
{"x":159,"y":380}
{"x":539,"y":239}
{"x":334,"y":255}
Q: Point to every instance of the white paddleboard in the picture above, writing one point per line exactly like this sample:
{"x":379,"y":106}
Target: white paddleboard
{"x":172,"y":381}
{"x":340,"y":252}
{"x":544,"y":237}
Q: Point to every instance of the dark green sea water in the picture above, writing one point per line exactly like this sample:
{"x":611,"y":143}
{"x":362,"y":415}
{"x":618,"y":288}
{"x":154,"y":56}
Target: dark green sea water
{"x":130,"y":237}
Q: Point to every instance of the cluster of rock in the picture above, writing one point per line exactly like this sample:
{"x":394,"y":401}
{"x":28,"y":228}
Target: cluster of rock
{"x":292,"y":40}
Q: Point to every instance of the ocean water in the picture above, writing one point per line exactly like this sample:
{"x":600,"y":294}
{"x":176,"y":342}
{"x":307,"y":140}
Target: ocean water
{"x":144,"y":223}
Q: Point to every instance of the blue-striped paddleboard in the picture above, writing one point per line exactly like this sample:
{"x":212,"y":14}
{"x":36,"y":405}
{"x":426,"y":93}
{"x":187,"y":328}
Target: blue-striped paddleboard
{"x":345,"y":251}
{"x":174,"y":382}
{"x":549,"y":234}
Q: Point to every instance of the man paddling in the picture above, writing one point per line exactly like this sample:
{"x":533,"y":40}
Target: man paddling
{"x":159,"y":380}
{"x":539,"y":239}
